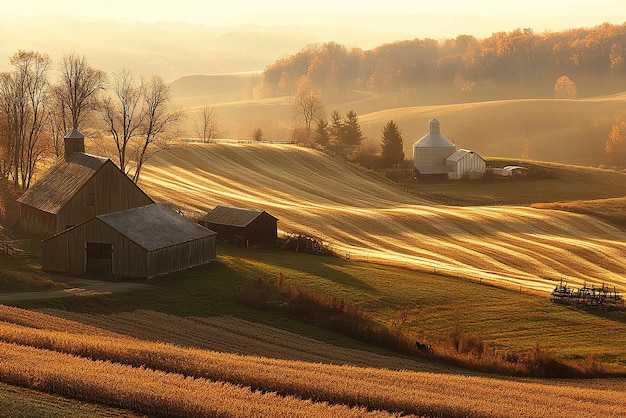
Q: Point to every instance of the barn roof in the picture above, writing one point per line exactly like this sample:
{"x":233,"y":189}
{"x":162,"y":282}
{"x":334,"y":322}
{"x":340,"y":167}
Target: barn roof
{"x":155,"y":226}
{"x":458,"y":155}
{"x":232,"y":216}
{"x":61,"y":182}
{"x":434,"y":139}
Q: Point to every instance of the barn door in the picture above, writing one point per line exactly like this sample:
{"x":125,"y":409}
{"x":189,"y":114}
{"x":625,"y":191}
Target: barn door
{"x":99,"y":258}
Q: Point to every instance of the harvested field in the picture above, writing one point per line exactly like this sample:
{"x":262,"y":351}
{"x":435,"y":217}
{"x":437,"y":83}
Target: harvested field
{"x":367,"y":219}
{"x":165,"y":379}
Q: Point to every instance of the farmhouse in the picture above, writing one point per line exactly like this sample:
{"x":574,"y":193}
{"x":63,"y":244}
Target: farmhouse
{"x":436,"y":157}
{"x":242,"y":226}
{"x":76,"y":189}
{"x":140,"y":242}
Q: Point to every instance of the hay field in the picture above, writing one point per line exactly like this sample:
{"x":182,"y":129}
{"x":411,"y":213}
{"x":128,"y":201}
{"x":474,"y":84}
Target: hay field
{"x":46,"y":353}
{"x":565,"y":131}
{"x":371,"y":220}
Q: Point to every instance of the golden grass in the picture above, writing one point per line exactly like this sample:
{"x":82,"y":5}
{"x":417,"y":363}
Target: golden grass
{"x":371,"y":220}
{"x":157,"y":378}
{"x":567,"y":131}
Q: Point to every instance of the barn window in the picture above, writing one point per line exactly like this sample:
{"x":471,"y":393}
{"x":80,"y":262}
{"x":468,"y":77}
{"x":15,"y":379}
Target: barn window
{"x":91,"y":199}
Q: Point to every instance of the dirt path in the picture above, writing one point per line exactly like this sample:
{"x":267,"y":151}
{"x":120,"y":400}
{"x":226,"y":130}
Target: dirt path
{"x":76,"y":286}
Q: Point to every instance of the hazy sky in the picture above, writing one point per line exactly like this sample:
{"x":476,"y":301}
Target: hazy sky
{"x":491,"y":16}
{"x":247,"y":35}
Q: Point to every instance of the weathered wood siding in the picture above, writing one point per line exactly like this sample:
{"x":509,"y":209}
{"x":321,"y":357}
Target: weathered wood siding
{"x":37,"y":219}
{"x":65,"y":252}
{"x":181,"y":256}
{"x":261,"y":231}
{"x":108,"y":191}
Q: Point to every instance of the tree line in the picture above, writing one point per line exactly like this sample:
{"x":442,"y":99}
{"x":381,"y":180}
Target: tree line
{"x":464,"y":63}
{"x":36,"y":113}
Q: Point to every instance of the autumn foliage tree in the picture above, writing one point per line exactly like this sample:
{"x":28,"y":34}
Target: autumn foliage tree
{"x":615,"y":145}
{"x":519,"y":58}
{"x":564,"y":88}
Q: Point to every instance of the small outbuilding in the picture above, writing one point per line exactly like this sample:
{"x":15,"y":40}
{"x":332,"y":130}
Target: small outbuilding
{"x":141,"y":242}
{"x":76,"y":189}
{"x":466,"y":164}
{"x":241,"y":226}
{"x":510,"y":171}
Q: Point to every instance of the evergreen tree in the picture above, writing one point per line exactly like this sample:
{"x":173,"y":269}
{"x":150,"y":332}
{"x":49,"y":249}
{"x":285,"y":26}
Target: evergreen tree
{"x":352,"y":130}
{"x":392,"y":152}
{"x":335,"y":132}
{"x":322,"y":134}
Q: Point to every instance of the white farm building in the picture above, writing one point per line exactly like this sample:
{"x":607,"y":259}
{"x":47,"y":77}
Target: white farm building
{"x":466,"y":164}
{"x":434,"y":155}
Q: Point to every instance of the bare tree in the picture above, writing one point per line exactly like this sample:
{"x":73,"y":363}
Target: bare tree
{"x":257,"y":135}
{"x":158,"y":118}
{"x":122,"y":112}
{"x":24,"y":108}
{"x":78,"y":88}
{"x":206,"y":124}
{"x":307,"y":105}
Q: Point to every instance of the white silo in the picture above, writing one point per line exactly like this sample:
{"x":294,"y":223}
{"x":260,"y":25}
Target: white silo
{"x":431,"y":152}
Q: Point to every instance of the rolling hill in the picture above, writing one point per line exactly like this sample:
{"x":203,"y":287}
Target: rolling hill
{"x":367,"y":219}
{"x":566,"y":131}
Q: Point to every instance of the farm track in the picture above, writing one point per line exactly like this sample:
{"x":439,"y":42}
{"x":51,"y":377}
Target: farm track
{"x":371,"y":220}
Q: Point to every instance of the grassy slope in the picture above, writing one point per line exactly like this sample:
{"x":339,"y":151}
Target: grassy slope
{"x":186,"y":308}
{"x":569,"y":183}
{"x":568,"y":131}
{"x":27,"y":403}
{"x":372,"y":220}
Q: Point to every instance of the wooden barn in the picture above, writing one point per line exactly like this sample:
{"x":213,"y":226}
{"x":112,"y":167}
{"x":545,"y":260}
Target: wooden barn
{"x":76,"y":189}
{"x":141,"y":242}
{"x":240,"y":226}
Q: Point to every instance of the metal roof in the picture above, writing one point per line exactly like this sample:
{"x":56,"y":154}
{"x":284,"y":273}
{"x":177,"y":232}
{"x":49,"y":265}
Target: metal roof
{"x":154,"y":226}
{"x":460,"y":154}
{"x":74,"y":134}
{"x":232,"y":216}
{"x":61,"y":182}
{"x":434,"y":139}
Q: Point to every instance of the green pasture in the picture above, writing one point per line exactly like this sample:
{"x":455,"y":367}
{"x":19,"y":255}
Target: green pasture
{"x":567,"y":183}
{"x":425,"y":306}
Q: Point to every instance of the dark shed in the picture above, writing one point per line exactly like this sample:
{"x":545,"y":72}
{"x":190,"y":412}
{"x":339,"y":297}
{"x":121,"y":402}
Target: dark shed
{"x":242,"y":226}
{"x":76,"y":189}
{"x":141,"y":242}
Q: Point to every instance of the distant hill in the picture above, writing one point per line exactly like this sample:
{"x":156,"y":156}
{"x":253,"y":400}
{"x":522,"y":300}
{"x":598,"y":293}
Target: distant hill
{"x":367,"y":219}
{"x":198,"y":90}
{"x":558,"y":130}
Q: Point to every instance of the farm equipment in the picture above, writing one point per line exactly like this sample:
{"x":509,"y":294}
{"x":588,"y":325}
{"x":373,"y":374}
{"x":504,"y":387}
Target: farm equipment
{"x":588,"y":297}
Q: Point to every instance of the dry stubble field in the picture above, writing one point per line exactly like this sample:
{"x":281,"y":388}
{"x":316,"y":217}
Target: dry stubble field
{"x":371,"y":220}
{"x":88,"y":363}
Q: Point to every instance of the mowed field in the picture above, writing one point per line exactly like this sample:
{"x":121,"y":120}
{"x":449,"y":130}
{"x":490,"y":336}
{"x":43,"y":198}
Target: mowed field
{"x":558,"y":130}
{"x":88,"y":363}
{"x":367,"y":219}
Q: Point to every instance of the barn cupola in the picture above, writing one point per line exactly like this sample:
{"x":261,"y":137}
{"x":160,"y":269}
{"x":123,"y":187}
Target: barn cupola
{"x":435,"y":127}
{"x":74,"y":142}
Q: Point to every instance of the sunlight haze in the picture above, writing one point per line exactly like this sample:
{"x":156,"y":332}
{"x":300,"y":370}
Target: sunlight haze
{"x":193,"y":37}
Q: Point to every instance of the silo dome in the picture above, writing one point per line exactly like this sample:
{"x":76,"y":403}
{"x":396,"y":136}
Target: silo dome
{"x":432,"y":150}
